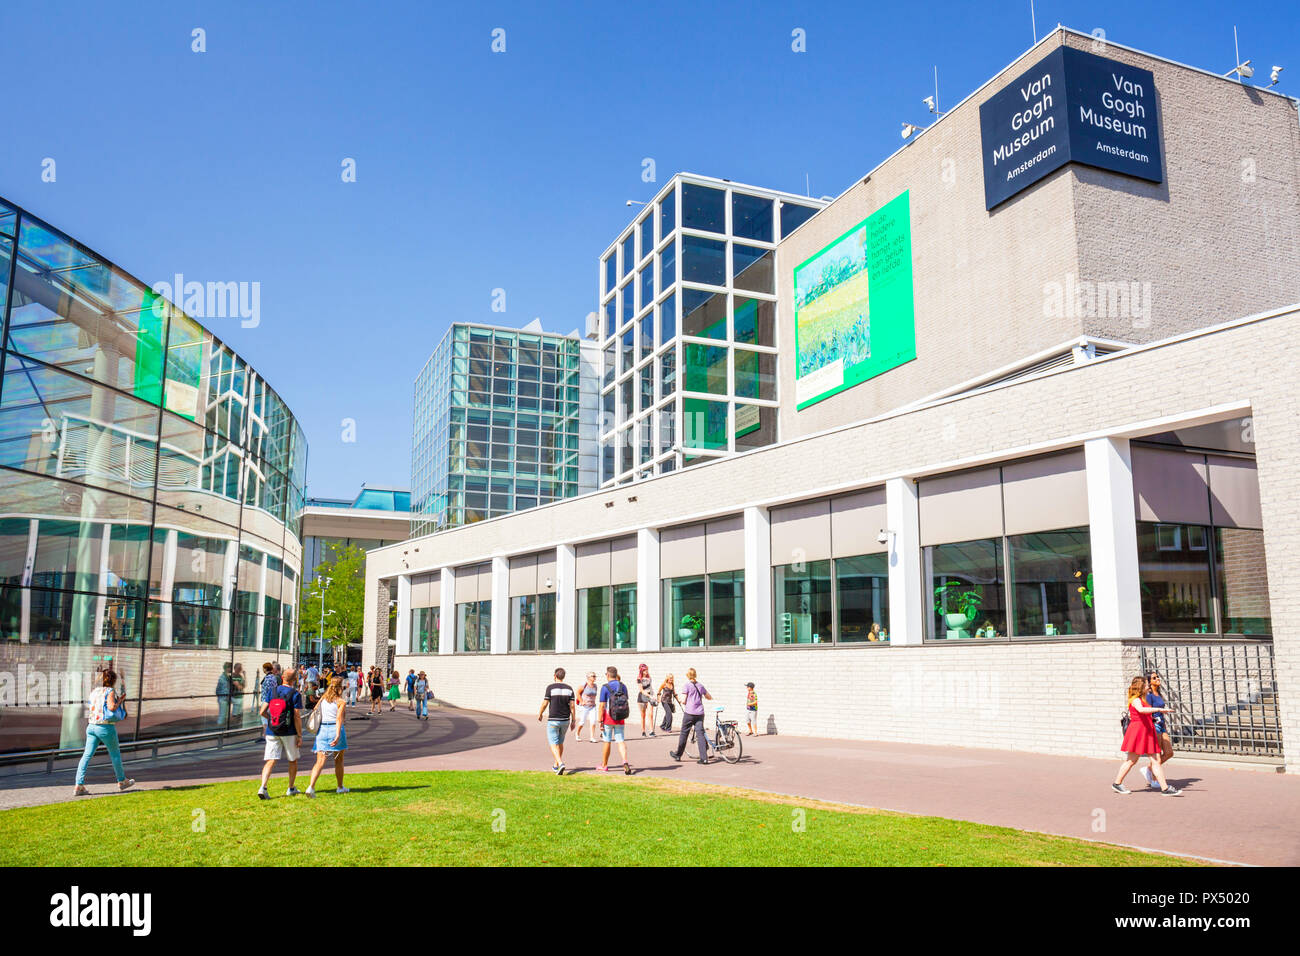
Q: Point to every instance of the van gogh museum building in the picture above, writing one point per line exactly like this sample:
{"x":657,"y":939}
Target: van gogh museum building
{"x":150,"y":488}
{"x":1030,"y":430}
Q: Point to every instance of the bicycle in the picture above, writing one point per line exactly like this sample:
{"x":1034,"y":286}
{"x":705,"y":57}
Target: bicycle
{"x":726,"y":739}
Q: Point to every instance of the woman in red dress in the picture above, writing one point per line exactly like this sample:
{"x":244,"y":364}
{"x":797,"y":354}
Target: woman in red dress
{"x":1140,"y":739}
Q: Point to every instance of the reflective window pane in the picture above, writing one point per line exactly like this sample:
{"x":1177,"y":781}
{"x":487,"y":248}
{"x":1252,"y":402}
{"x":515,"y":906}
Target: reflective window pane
{"x":793,"y":216}
{"x":704,"y":260}
{"x":704,"y":208}
{"x":1051,"y":577}
{"x":862,"y":593}
{"x":803,"y":603}
{"x":753,"y":270}
{"x":1174,"y":571}
{"x":751,"y":217}
{"x":966,"y":589}
{"x":704,"y":314}
{"x":1243,"y":581}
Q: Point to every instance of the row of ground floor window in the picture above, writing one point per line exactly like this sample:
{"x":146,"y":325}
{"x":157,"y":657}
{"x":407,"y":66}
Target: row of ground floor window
{"x":1194,"y":579}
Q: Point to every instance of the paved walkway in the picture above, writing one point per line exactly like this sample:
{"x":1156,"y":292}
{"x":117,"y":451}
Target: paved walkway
{"x":1239,"y":816}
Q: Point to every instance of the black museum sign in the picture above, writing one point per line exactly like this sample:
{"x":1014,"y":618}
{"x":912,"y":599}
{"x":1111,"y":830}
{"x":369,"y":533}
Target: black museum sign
{"x":1072,"y":106}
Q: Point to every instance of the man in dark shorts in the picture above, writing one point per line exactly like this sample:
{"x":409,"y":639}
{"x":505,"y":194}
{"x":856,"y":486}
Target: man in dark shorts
{"x":560,"y":710}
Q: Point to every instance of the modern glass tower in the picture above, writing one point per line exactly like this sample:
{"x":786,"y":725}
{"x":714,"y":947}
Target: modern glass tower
{"x":500,"y":424}
{"x":688,"y":326}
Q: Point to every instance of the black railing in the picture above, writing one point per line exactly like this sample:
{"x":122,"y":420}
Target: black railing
{"x":1223,"y":694}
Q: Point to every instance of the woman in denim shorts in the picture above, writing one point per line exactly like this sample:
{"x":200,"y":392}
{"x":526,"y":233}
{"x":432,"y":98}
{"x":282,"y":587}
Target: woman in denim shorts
{"x":332,"y":738}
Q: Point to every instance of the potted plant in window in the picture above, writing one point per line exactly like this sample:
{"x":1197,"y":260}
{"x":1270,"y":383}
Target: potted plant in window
{"x":691,"y":625}
{"x":622,"y":631}
{"x":957,"y":607}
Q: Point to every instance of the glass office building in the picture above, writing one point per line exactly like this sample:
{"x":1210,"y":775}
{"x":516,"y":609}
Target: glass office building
{"x":150,"y":487}
{"x":500,"y":425}
{"x":688,"y":326}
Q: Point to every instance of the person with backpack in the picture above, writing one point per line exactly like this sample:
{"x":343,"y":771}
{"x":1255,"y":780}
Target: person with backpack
{"x":269,"y":683}
{"x":283,"y":717}
{"x":614,"y":708}
{"x":105,"y":708}
{"x":693,"y":716}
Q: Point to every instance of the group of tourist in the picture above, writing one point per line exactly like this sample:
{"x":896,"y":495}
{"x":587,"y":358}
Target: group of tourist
{"x":286,"y":695}
{"x":608,"y":707}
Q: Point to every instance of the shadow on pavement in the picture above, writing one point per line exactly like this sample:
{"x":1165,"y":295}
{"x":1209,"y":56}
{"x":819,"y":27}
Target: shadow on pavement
{"x":380,"y":739}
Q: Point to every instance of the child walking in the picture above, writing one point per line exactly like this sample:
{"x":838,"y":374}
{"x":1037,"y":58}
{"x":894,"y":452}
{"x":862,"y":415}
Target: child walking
{"x":751,"y":710}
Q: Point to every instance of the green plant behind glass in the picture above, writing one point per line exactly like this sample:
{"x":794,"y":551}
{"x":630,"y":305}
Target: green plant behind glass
{"x":951,"y":599}
{"x":693,"y":622}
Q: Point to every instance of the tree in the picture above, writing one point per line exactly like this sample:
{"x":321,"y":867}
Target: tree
{"x":345,"y":595}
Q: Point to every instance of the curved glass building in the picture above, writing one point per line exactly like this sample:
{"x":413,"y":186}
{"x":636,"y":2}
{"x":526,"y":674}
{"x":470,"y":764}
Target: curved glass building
{"x":150,"y":488}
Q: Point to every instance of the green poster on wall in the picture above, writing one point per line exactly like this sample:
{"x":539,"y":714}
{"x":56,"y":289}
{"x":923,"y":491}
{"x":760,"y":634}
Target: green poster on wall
{"x":853,"y":310}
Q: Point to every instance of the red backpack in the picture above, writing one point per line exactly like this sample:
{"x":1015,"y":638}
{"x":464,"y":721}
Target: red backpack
{"x":279,"y":713}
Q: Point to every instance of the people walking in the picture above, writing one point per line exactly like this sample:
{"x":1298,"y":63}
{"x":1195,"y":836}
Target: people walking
{"x":332,"y":737}
{"x":421,"y":696}
{"x":354,"y":684}
{"x":1155,"y":698}
{"x":614,"y":710}
{"x":283,"y":716}
{"x":587,"y":707}
{"x":751,"y":710}
{"x":1140,"y":739}
{"x":376,"y":691}
{"x":559,"y":707}
{"x":645,"y":698}
{"x":270,"y":681}
{"x":394,"y":690}
{"x":104,"y":710}
{"x":223,"y":695}
{"x":693,"y":716}
{"x":410,"y":689}
{"x":668,"y":701}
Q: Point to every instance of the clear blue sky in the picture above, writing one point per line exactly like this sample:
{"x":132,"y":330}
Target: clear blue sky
{"x":475,"y":170}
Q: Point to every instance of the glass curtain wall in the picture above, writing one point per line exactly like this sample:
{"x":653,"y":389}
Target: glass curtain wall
{"x":691,"y":286}
{"x":150,"y":490}
{"x":496,"y":426}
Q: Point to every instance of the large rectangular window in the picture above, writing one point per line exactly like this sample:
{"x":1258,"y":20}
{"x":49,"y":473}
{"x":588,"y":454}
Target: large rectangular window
{"x":803,"y":602}
{"x":842,"y":601}
{"x":532,"y":622}
{"x":1051,"y":583}
{"x":593,"y":619}
{"x":426,"y":624}
{"x":966,"y":589}
{"x":704,"y":610}
{"x":862,"y":599}
{"x":1174,"y":571}
{"x":474,"y":625}
{"x":1242,"y":577}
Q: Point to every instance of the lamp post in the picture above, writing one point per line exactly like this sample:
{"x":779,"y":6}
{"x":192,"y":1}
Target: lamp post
{"x":320,"y":638}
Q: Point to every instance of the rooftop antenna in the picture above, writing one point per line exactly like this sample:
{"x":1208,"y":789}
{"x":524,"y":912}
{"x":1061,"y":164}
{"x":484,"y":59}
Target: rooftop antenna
{"x":1033,"y":21}
{"x":933,"y":101}
{"x":1244,"y":71}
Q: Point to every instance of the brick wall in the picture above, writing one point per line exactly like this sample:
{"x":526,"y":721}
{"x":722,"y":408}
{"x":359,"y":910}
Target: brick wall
{"x":1061,"y":698}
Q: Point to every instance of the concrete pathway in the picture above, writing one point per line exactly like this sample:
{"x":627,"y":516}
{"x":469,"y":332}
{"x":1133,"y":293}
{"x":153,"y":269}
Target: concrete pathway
{"x":1228,"y":815}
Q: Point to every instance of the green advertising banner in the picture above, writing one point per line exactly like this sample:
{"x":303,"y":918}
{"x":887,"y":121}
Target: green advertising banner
{"x":853,"y":313}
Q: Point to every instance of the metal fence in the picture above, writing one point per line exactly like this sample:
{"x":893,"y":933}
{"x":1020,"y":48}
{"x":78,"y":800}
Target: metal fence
{"x":1223,"y":695}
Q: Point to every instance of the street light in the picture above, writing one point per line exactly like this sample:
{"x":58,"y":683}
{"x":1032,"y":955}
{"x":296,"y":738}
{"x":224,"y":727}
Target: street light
{"x":320,"y":640}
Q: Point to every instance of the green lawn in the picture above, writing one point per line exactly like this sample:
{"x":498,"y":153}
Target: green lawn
{"x":474,"y":818}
